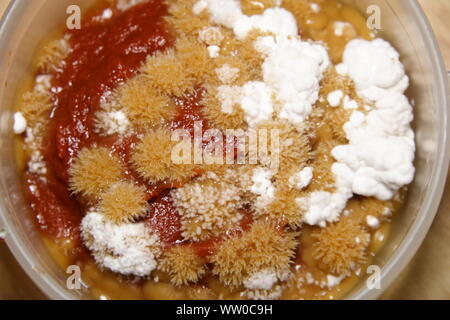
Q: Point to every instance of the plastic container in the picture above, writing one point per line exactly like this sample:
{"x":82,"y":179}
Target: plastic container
{"x":27,"y":23}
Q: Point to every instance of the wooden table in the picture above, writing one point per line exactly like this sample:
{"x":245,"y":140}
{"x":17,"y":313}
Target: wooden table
{"x":428,"y":275}
{"x":438,"y":12}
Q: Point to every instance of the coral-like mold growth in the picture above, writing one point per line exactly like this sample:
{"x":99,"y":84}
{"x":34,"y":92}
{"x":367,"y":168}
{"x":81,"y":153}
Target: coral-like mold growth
{"x":195,"y":59}
{"x":167,"y":74}
{"x":182,"y":264}
{"x":94,"y":171}
{"x":215,"y":115}
{"x":124,"y":202}
{"x":53,"y":56}
{"x":263,"y":247}
{"x":341,"y":247}
{"x":153,"y":158}
{"x":285,"y":208}
{"x":35,"y":107}
{"x":182,"y":19}
{"x":295,"y":144}
{"x":144,"y":105}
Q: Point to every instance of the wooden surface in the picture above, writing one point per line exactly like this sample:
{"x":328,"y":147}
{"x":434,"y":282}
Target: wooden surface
{"x":438,"y":12}
{"x":428,"y":275}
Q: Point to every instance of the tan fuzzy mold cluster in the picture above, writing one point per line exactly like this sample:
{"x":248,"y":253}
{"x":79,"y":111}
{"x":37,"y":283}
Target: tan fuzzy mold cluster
{"x":242,"y":55}
{"x":183,"y":20}
{"x":35,"y":106}
{"x":263,"y":247}
{"x":296,"y":144}
{"x":214,"y":114}
{"x":336,"y":117}
{"x":341,"y":247}
{"x":323,"y":145}
{"x":323,"y":176}
{"x":285,"y":208}
{"x":167,"y":74}
{"x":246,"y":70}
{"x":94,"y":171}
{"x":195,"y":59}
{"x":123,"y":202}
{"x":247,"y":52}
{"x":154,"y":159}
{"x":182,"y":264}
{"x":295,"y":153}
{"x":144,"y":104}
{"x":53,"y":55}
{"x":180,"y":70}
{"x":195,"y":33}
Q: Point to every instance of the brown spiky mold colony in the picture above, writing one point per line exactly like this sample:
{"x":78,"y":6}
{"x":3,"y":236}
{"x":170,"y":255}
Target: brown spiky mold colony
{"x":214,"y":149}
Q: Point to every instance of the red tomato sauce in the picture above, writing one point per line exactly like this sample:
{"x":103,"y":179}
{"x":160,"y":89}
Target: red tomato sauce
{"x":164,"y":218}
